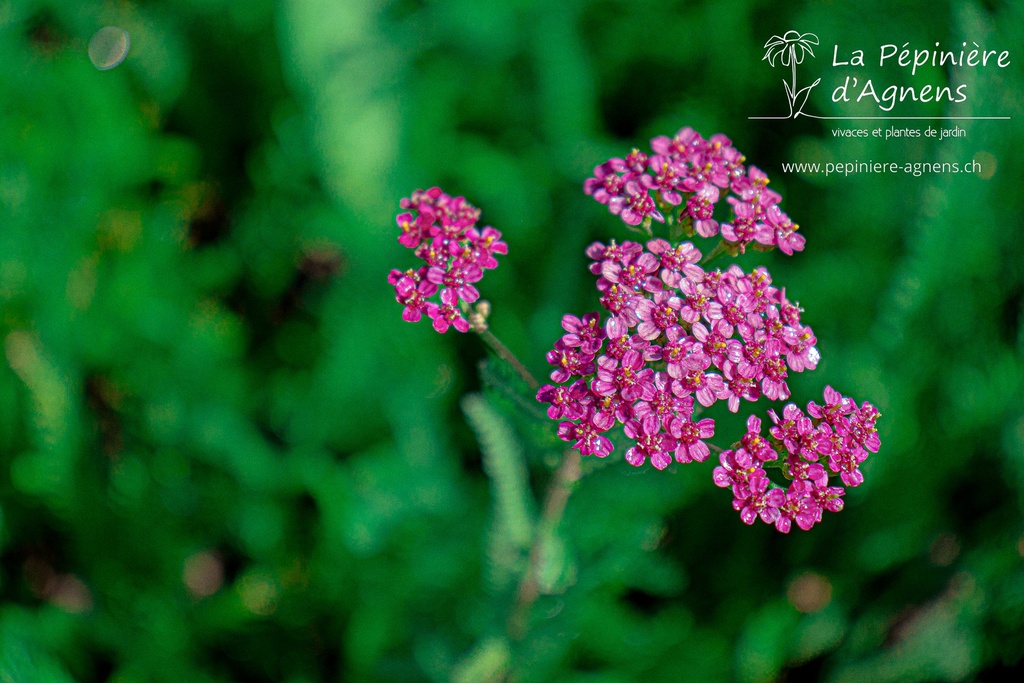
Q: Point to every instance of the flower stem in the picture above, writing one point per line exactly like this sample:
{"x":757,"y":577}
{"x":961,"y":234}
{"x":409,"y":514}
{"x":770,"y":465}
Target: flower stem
{"x":555,"y":499}
{"x":503,"y":352}
{"x":714,"y":253}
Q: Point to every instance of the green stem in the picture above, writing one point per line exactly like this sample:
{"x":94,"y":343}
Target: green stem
{"x":503,"y":352}
{"x":714,"y":253}
{"x":555,"y":499}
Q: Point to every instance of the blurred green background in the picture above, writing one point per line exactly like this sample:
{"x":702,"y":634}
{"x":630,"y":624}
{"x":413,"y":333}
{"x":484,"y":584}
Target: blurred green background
{"x":226,"y":458}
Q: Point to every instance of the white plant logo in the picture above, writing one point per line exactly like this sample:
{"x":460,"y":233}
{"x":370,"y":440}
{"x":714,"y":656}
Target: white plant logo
{"x":789,"y":50}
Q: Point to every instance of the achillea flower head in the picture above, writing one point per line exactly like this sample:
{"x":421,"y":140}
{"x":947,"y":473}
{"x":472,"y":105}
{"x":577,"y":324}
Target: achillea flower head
{"x":684,"y":181}
{"x":672,"y":341}
{"x":829,"y":440}
{"x":442,"y":232}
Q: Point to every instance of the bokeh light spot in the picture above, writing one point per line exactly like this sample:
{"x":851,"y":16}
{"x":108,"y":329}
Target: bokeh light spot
{"x":259,"y":593}
{"x":70,"y":594}
{"x":203,"y":574}
{"x":108,"y":47}
{"x":988,"y":164}
{"x":809,"y":593}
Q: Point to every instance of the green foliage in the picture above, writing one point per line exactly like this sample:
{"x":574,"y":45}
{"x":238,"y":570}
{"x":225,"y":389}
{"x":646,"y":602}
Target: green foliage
{"x":512,"y":505}
{"x":226,"y":458}
{"x":488,"y":662}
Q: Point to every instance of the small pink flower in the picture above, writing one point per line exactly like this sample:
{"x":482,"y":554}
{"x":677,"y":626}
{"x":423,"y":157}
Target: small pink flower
{"x":446,"y":316}
{"x":677,"y":263}
{"x":414,"y":229}
{"x":657,"y":315}
{"x":773,"y":382}
{"x":697,"y":299}
{"x":585,"y":437}
{"x":717,"y":343}
{"x":756,"y":445}
{"x":621,"y":302}
{"x":745,"y":227}
{"x":785,"y":230}
{"x":664,"y":178}
{"x":455,"y":282}
{"x":681,"y":354}
{"x":635,"y":205}
{"x":634,"y":275}
{"x":737,"y":386}
{"x":801,"y":352}
{"x":690,"y":435}
{"x":701,"y":209}
{"x":605,"y":185}
{"x":835,"y":407}
{"x":626,"y":377}
{"x":483,"y":246}
{"x":569,"y":362}
{"x":587,"y":334}
{"x":564,"y":399}
{"x":651,"y":443}
{"x":612,"y":253}
{"x":707,"y":387}
{"x":658,"y":400}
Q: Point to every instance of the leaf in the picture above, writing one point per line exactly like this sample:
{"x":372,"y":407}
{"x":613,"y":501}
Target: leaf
{"x":21,"y":659}
{"x":496,"y":377}
{"x":557,"y":570}
{"x":512,"y":505}
{"x":488,"y":661}
{"x":764,"y":645}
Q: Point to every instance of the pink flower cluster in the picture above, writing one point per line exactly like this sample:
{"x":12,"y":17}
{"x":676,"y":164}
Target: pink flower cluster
{"x":442,"y":231}
{"x":673,"y":339}
{"x":831,"y":438}
{"x":672,"y":335}
{"x":692,"y":173}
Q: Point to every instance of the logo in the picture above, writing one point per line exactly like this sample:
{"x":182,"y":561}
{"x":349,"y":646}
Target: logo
{"x":858,"y":79}
{"x":789,"y":50}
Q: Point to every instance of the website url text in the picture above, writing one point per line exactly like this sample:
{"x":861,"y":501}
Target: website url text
{"x":915,"y":168}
